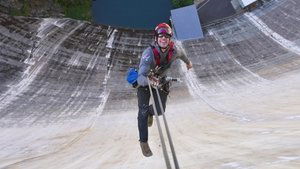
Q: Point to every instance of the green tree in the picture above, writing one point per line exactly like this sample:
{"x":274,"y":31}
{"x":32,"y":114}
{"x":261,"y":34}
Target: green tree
{"x":23,"y":11}
{"x":181,"y":3}
{"x":77,"y":9}
{"x":26,"y":8}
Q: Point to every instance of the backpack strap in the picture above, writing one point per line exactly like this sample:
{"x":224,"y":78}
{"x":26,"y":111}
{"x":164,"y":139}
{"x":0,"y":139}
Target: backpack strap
{"x":170,"y":53}
{"x":156,"y":55}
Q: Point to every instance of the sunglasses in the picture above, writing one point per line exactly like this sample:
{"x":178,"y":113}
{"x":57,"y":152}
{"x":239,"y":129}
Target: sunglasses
{"x":164,"y":35}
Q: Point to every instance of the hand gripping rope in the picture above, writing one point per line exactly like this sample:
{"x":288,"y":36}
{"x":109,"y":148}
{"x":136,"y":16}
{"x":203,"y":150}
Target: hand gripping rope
{"x":167,"y":160}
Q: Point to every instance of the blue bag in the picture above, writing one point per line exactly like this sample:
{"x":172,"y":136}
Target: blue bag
{"x":132,"y":75}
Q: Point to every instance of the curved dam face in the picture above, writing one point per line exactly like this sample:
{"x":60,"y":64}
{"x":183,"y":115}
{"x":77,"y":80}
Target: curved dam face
{"x":64,"y":101}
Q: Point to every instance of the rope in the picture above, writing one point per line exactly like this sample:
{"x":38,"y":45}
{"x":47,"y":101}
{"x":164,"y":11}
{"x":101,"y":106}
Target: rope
{"x":167,"y":130}
{"x":163,"y":145}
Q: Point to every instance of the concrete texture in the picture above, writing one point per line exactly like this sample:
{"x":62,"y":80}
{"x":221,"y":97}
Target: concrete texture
{"x":212,"y":10}
{"x":65,"y":102}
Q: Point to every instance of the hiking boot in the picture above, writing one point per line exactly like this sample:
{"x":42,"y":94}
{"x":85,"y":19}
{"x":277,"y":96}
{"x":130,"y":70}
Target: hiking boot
{"x":145,"y":149}
{"x":150,"y":120}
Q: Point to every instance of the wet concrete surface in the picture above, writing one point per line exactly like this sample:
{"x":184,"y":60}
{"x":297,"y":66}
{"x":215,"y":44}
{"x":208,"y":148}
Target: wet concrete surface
{"x":65,"y":102}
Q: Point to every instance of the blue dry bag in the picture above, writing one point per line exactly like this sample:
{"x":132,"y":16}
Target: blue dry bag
{"x":132,"y":75}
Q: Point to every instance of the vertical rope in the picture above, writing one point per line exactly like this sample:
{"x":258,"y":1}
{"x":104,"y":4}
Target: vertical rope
{"x":167,"y":130}
{"x":163,"y":145}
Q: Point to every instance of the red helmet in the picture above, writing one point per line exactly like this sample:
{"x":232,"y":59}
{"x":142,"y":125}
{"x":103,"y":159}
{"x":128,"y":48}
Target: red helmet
{"x":163,"y":28}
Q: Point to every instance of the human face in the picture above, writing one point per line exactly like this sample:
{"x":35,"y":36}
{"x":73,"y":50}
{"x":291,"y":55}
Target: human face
{"x":163,"y":40}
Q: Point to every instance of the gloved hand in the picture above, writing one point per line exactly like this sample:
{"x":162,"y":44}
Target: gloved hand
{"x":189,"y":65}
{"x":154,"y":81}
{"x":135,"y":85}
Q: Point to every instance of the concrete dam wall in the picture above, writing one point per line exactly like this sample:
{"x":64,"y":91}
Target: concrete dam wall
{"x":65,"y":103}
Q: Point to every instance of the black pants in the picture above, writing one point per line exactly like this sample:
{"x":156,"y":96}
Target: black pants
{"x":145,"y":109}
